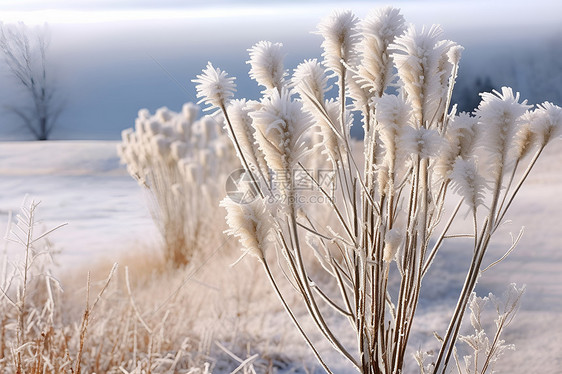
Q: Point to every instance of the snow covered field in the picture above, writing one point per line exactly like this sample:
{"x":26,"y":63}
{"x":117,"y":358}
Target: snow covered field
{"x":83,"y":184}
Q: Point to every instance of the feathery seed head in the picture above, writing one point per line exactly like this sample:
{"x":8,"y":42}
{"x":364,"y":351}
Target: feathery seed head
{"x":547,"y":122}
{"x":280,"y":125}
{"x":462,"y":134}
{"x":500,"y":115}
{"x":250,"y":224}
{"x":333,"y":147}
{"x":190,"y":111}
{"x":266,"y":61}
{"x":143,"y":114}
{"x":418,"y":58}
{"x":459,"y":141}
{"x":214,"y":87}
{"x":524,"y":139}
{"x":392,"y":111}
{"x":422,"y":142}
{"x":179,"y":150}
{"x":161,"y":146}
{"x":163,"y":114}
{"x":391,"y":114}
{"x":310,"y":79}
{"x":378,"y":31}
{"x":243,"y":131}
{"x":468,"y":183}
{"x":338,"y":31}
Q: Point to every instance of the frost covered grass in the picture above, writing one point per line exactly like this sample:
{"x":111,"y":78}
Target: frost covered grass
{"x":182,"y":162}
{"x":139,"y":317}
{"x":389,"y":220}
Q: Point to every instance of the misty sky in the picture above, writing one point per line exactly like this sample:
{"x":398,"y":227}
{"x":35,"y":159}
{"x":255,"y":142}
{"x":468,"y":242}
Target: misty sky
{"x":112,"y":58}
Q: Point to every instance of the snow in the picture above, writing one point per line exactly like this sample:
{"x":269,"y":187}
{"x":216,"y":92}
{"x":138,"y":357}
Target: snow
{"x":83,"y":184}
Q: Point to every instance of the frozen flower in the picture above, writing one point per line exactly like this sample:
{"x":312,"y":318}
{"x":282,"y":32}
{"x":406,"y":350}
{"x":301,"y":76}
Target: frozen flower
{"x":190,"y":111}
{"x":524,"y":139}
{"x":243,"y":134}
{"x":391,"y":114}
{"x":333,"y":146}
{"x":214,"y":87}
{"x":250,"y":224}
{"x":163,"y":114}
{"x":179,"y":150}
{"x":468,"y":183}
{"x":459,"y":141}
{"x":161,"y":146}
{"x":547,"y":122}
{"x":500,"y":115}
{"x":360,"y":94}
{"x":280,"y":124}
{"x":422,"y":142}
{"x":378,"y":31}
{"x":340,"y":37}
{"x":310,"y":80}
{"x":266,"y":61}
{"x":424,"y":68}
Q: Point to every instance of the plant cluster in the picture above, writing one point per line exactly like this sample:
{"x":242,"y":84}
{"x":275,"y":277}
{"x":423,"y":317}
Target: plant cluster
{"x":390,"y":207}
{"x":182,"y":161}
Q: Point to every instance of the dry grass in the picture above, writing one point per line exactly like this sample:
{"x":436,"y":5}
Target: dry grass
{"x":146,"y":317}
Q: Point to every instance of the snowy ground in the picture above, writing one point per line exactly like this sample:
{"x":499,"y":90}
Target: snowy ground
{"x":83,"y":184}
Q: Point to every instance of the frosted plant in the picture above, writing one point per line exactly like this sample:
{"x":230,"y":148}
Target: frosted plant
{"x":380,"y":229}
{"x":266,"y":60}
{"x":214,"y":86}
{"x":378,"y":31}
{"x":183,"y":162}
{"x":485,"y":350}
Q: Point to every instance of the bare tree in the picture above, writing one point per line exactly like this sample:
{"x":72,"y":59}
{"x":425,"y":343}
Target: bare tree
{"x":25,"y":52}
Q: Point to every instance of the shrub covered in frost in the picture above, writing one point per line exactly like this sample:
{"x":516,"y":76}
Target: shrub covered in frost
{"x":389,"y":220}
{"x":182,"y":161}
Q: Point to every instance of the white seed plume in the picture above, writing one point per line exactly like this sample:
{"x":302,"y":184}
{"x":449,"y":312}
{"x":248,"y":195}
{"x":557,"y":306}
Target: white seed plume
{"x":417,"y":58}
{"x":214,"y":87}
{"x":250,"y":224}
{"x":468,"y":183}
{"x":524,"y":139}
{"x":460,"y":140}
{"x":391,"y":114}
{"x":500,"y":115}
{"x":310,"y":81}
{"x":266,"y":61}
{"x":378,"y":31}
{"x":424,"y":143}
{"x":340,"y":36}
{"x":239,"y":114}
{"x":547,"y":123}
{"x":190,"y":111}
{"x":280,"y":124}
